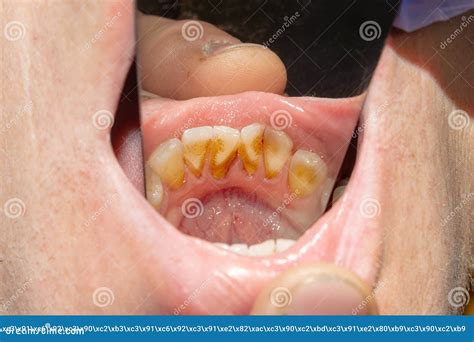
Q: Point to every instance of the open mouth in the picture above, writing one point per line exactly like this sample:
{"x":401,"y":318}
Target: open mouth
{"x":250,"y":173}
{"x":242,"y":185}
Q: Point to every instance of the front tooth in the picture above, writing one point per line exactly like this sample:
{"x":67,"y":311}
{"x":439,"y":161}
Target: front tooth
{"x":307,"y":172}
{"x":264,"y":248}
{"x":250,"y":148}
{"x":154,"y":188}
{"x":223,"y":150}
{"x":195,"y":143}
{"x":239,"y":248}
{"x":283,"y":244}
{"x":167,"y":161}
{"x":277,"y":147}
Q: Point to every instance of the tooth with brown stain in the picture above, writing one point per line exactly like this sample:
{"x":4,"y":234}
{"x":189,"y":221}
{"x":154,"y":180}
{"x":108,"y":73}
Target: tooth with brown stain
{"x":168,"y":163}
{"x":223,"y":150}
{"x":277,"y":147}
{"x":154,"y":188}
{"x":306,"y":173}
{"x":195,"y":143}
{"x":250,"y":147}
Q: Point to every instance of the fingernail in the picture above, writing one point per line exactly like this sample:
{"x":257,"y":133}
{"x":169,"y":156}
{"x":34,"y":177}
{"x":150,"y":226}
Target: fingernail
{"x":329,"y":295}
{"x":216,"y":47}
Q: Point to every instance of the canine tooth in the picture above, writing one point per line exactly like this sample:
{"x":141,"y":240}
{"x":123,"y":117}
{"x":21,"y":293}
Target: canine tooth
{"x":283,"y":244}
{"x":339,"y":190}
{"x":277,"y":147}
{"x":239,"y":248}
{"x":195,"y":143}
{"x":223,"y":150}
{"x":154,"y":188}
{"x":265,"y":248}
{"x":250,"y":147}
{"x":307,"y":171}
{"x":167,"y":161}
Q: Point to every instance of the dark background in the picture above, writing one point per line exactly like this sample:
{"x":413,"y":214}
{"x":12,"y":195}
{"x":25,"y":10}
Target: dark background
{"x":322,"y":50}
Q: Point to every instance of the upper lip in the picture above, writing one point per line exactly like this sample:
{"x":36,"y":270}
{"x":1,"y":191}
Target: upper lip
{"x":228,"y":283}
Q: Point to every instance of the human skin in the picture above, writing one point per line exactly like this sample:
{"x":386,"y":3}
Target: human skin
{"x":63,"y":169}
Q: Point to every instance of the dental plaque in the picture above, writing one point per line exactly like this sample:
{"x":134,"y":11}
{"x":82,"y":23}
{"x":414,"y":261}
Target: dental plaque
{"x":248,"y":187}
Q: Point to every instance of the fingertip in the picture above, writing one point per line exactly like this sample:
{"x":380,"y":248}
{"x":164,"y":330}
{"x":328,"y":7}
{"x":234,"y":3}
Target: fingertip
{"x":186,"y":59}
{"x":316,"y":289}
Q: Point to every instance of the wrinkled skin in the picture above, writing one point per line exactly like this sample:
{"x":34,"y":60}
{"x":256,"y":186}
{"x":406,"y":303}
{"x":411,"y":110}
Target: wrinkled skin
{"x":63,"y":169}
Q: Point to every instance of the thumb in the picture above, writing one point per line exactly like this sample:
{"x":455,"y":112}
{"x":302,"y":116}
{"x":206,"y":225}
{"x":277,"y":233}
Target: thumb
{"x":187,"y":58}
{"x":316,"y":289}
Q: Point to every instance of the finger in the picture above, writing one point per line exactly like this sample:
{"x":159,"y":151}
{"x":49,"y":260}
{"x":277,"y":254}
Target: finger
{"x":317,"y":289}
{"x":186,"y":59}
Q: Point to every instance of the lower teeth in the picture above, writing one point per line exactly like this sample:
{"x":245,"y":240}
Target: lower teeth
{"x":267,"y":247}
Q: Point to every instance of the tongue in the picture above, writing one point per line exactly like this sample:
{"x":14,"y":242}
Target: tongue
{"x":232,"y":216}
